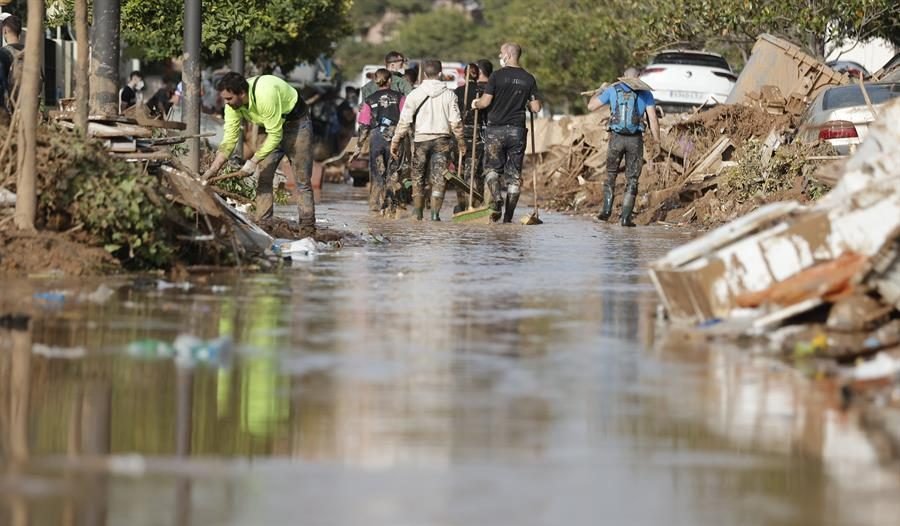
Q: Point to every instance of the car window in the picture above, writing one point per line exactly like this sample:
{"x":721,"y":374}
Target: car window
{"x":847,"y":96}
{"x":691,"y":59}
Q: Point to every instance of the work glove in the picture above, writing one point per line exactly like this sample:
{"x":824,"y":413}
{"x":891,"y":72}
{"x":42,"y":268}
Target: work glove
{"x":461,"y":146}
{"x":249,"y":167}
{"x":207,"y":174}
{"x":395,"y":150}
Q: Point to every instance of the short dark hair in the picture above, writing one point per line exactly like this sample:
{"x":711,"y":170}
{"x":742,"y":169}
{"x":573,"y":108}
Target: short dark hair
{"x":486,"y":67}
{"x":474,"y":71}
{"x":136,"y":73}
{"x":14,"y":24}
{"x":233,"y":82}
{"x":432,"y":68}
{"x":394,"y":56}
{"x":382,"y":77}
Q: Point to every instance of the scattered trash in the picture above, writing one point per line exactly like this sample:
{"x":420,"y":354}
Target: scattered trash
{"x":190,"y":350}
{"x":305,"y":249}
{"x":99,"y":296}
{"x":54,"y":298}
{"x":67,"y":353}
{"x":7,"y":198}
{"x":162,"y":284}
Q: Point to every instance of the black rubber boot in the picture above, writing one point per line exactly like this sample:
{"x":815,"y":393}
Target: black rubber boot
{"x":511,"y":201}
{"x":436,"y":204}
{"x":418,"y":205}
{"x":496,"y":211}
{"x":627,"y":207}
{"x":607,"y":203}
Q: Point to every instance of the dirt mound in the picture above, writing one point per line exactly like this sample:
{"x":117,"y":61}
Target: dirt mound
{"x":24,"y":253}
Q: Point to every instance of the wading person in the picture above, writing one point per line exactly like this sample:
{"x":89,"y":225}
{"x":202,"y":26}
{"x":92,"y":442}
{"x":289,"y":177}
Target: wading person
{"x":629,"y":99}
{"x":508,"y":91}
{"x":277,"y":106}
{"x":478,"y":78}
{"x":378,"y":120}
{"x":432,"y":114}
{"x":394,"y":62}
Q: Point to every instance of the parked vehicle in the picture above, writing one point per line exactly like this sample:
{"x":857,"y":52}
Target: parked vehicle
{"x":854,"y":69}
{"x":684,"y":79}
{"x":841,"y":116}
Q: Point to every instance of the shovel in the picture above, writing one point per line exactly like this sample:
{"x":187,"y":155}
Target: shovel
{"x":482,"y":214}
{"x":533,"y":218}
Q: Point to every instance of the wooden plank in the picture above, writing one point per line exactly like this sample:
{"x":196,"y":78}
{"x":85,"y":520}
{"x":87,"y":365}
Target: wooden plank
{"x":143,"y":156}
{"x":108,"y":131}
{"x":192,"y":192}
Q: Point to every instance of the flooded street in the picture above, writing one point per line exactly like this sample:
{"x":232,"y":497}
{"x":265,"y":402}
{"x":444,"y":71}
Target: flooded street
{"x":442,"y":375}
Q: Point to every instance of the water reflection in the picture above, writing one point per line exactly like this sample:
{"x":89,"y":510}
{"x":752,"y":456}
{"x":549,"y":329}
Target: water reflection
{"x":453,"y":376}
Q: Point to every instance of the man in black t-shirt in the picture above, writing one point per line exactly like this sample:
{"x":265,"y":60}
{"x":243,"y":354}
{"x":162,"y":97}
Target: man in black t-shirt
{"x":128,"y":95}
{"x":507,"y":92}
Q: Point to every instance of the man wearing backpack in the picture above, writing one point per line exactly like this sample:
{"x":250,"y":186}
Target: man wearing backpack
{"x":629,"y":99}
{"x":277,"y":106}
{"x":12,"y":57}
{"x":378,"y":120}
{"x":431,"y":112}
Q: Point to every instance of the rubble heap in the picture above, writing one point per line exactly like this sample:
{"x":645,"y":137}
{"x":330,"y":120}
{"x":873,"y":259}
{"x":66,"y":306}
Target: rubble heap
{"x":817,"y":283}
{"x":715,"y":164}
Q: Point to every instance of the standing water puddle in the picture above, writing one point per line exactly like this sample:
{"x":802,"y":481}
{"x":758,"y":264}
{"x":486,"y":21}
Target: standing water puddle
{"x":451,"y":375}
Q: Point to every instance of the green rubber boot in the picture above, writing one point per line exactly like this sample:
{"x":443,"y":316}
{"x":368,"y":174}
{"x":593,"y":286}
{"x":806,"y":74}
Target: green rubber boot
{"x":627,"y":207}
{"x":607,"y":203}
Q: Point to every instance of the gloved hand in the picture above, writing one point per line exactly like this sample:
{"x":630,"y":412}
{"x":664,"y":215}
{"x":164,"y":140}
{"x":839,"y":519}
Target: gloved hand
{"x":461,"y":146}
{"x":395,"y":150}
{"x":209,"y":173}
{"x":249,"y":167}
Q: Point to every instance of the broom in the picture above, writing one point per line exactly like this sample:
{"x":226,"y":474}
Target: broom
{"x":533,"y":218}
{"x":482,"y":214}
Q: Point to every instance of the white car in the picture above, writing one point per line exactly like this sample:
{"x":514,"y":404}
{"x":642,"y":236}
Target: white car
{"x":841,"y":116}
{"x":684,"y":79}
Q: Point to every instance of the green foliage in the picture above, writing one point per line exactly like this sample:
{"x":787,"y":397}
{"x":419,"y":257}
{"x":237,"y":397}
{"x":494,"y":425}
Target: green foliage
{"x":276,"y":32}
{"x":570,"y":46}
{"x":705,"y":23}
{"x":788,"y":164}
{"x":115,"y":201}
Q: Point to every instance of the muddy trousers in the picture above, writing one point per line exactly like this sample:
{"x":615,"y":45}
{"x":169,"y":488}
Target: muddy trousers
{"x":296,"y":144}
{"x":476,"y":156}
{"x":504,"y":152}
{"x":379,"y":162}
{"x":431,"y":157}
{"x":632,"y":148}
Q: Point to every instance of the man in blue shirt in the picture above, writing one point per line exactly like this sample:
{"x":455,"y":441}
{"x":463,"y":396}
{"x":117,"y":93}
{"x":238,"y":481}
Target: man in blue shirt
{"x":628,"y":100}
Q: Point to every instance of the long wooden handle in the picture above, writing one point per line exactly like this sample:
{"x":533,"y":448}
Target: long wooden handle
{"x":534,"y":169}
{"x":459,"y":168}
{"x":474,"y":161}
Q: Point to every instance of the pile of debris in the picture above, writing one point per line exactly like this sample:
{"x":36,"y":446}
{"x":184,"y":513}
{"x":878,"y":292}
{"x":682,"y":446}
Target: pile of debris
{"x":819,"y":283}
{"x":701,"y":174}
{"x":126,"y":194}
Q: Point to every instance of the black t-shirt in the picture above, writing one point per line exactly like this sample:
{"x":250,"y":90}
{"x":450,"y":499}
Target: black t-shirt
{"x":511,"y":88}
{"x":476,"y":89}
{"x":6,"y":60}
{"x":128,"y":97}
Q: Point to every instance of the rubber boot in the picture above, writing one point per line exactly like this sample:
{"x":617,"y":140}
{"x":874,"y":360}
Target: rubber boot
{"x":607,"y":203}
{"x":511,"y":201}
{"x":627,"y":207}
{"x":436,"y":204}
{"x":418,"y":205}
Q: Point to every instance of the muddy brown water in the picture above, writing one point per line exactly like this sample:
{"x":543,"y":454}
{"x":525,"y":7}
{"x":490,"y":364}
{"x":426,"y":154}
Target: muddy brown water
{"x":449,"y":376}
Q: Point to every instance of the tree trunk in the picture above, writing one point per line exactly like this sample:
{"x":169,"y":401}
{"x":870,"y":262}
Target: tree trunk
{"x":82,"y":90}
{"x":29,"y":97}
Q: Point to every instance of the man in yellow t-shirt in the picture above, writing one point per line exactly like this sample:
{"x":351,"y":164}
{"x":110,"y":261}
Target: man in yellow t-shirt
{"x":274,"y":104}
